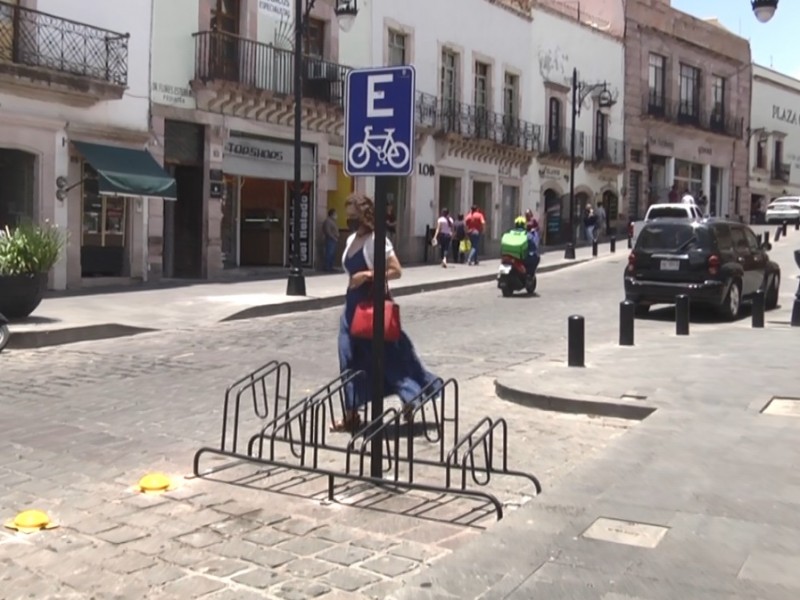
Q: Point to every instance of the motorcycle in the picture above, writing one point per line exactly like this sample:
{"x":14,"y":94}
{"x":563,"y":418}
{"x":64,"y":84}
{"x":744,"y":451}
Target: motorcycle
{"x":5,"y":335}
{"x":513,"y":276}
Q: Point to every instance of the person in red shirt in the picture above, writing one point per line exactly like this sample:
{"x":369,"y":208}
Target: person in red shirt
{"x":475,"y":223}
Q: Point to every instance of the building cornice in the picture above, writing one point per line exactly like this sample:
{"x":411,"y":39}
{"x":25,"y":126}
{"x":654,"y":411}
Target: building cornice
{"x":573,"y":17}
{"x":520,"y":8}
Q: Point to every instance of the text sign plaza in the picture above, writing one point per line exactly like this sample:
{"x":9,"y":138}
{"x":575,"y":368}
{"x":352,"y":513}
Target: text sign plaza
{"x":379,"y":121}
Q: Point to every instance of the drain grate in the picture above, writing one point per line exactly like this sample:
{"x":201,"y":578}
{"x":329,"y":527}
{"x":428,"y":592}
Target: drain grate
{"x":782,"y":407}
{"x":630,"y":533}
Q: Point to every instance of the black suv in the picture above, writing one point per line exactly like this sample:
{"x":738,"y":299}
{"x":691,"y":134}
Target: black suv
{"x":714,"y":261}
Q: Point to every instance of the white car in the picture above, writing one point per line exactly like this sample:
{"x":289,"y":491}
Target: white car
{"x":670,"y":210}
{"x":783,"y":209}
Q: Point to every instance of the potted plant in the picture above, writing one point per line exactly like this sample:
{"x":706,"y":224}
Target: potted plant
{"x":27,"y":253}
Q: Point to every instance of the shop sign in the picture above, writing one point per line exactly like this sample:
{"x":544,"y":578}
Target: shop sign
{"x":787,"y":115}
{"x":426,"y":169}
{"x":551,"y":172}
{"x":305,"y":223}
{"x":661,"y":143}
{"x":705,"y":150}
{"x":260,"y":152}
{"x":280,"y":10}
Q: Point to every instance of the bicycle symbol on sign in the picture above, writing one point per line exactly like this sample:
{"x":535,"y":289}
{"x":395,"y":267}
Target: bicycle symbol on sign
{"x":383,"y":145}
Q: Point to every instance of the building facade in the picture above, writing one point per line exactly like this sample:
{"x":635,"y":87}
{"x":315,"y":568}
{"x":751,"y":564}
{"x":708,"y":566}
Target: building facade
{"x":222,"y":113}
{"x":687,"y":90}
{"x":475,"y":140}
{"x":774,"y":139}
{"x":563,"y":40}
{"x":74,"y":78}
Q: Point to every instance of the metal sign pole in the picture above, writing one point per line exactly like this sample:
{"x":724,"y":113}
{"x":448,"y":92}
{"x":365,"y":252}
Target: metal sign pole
{"x":378,"y":341}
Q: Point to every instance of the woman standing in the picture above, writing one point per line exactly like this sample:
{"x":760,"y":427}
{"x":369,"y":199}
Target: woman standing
{"x":404,"y":373}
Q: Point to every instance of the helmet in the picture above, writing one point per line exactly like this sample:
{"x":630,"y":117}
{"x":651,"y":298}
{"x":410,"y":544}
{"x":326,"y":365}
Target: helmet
{"x":520,"y":222}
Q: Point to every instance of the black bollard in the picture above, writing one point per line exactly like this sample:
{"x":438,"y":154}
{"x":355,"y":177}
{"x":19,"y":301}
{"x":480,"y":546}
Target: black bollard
{"x":783,"y":228}
{"x":777,"y":235}
{"x":627,"y":317}
{"x":612,"y":244}
{"x":594,"y":247}
{"x":796,"y":309}
{"x":576,"y":343}
{"x":766,"y":237}
{"x":758,"y":310}
{"x":797,"y":225}
{"x":569,"y":252}
{"x":682,"y":315}
{"x":630,"y":242}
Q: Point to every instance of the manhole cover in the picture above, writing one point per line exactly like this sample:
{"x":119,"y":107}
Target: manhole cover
{"x":630,"y":533}
{"x":782,"y":407}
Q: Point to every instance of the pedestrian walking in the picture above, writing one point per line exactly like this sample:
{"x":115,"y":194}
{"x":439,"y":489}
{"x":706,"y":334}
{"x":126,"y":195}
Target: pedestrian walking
{"x":602,"y":221}
{"x":460,"y":240}
{"x":404,"y":373}
{"x":589,"y":223}
{"x":330,"y":231}
{"x":476,"y":223}
{"x":444,"y":235}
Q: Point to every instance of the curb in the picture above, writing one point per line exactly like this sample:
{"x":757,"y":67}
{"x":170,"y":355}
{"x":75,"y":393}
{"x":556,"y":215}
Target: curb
{"x":273,"y":310}
{"x":583,"y":405}
{"x":27,"y":340}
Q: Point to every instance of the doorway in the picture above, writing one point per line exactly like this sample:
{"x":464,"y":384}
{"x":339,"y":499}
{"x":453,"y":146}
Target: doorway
{"x":611,"y":204}
{"x":449,"y":195}
{"x":185,"y":217}
{"x":552,"y":210}
{"x":510,"y":209}
{"x":224,"y":50}
{"x":482,"y":198}
{"x":17,"y":170}
{"x":262,"y":231}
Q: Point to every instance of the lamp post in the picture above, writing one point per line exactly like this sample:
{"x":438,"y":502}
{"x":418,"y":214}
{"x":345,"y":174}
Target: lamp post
{"x":346,"y":11}
{"x":764,"y":10}
{"x":604,"y":102}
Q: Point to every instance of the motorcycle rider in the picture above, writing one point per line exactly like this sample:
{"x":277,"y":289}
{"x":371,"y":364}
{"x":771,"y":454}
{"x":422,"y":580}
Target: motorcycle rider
{"x":532,"y":258}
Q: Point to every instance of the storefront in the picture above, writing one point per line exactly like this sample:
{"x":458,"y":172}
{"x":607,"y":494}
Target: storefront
{"x":258,"y":208}
{"x":116,"y":184}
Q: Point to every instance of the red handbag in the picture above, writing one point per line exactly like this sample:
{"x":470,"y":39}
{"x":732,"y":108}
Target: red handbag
{"x":361,"y":326}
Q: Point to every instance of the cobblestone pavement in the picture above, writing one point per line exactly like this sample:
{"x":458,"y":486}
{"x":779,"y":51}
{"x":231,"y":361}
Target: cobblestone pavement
{"x":80,"y":424}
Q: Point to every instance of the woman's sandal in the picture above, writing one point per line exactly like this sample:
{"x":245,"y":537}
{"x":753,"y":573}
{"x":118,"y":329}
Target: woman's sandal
{"x":346,"y":425}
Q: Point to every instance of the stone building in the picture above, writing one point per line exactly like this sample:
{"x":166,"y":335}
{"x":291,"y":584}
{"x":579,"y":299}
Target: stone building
{"x":687,"y":101}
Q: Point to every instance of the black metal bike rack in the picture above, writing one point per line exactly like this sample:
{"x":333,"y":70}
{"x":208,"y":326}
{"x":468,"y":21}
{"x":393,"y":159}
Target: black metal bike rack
{"x":303,"y":428}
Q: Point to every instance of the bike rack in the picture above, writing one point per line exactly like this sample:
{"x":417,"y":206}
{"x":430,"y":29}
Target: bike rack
{"x":303,"y":428}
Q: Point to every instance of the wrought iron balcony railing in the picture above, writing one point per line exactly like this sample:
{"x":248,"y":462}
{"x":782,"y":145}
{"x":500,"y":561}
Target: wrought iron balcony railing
{"x":690,"y":113}
{"x":719,"y":122}
{"x":479,"y":123}
{"x":605,"y":151}
{"x":781,"y":172}
{"x":559,"y":141}
{"x":36,"y":39}
{"x":656,"y":105}
{"x":226,"y":57}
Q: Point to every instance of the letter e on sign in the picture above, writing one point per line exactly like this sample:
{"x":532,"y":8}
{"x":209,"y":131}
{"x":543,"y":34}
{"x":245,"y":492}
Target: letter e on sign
{"x":374,"y":94}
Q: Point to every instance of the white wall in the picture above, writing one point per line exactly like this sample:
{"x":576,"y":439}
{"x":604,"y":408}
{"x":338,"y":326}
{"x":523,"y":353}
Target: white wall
{"x":776,"y":108}
{"x":131,"y":112}
{"x":173,"y":51}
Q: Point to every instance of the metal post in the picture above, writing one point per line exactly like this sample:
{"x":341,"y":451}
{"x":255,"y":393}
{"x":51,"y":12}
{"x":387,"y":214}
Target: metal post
{"x":612,"y":244}
{"x":783,"y":228}
{"x":630,"y":242}
{"x":777,"y":235}
{"x":569,"y":251}
{"x":682,"y":315}
{"x":766,"y":237}
{"x":378,"y":342}
{"x":797,"y":225}
{"x":594,"y":247}
{"x":296,"y":285}
{"x":796,"y":308}
{"x":627,"y":317}
{"x":572,"y":158}
{"x":576,"y":342}
{"x":758,"y":310}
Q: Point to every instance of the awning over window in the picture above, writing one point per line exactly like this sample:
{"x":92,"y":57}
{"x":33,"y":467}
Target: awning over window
{"x":126,"y":172}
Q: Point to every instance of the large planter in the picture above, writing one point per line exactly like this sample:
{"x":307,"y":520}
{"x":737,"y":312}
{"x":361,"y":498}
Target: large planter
{"x":21,"y":294}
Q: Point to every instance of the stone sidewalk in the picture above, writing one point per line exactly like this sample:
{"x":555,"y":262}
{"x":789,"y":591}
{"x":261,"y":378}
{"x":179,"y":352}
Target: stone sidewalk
{"x":700,"y":500}
{"x":128,"y":311}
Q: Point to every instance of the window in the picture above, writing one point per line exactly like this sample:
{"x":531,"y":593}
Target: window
{"x":103,"y":216}
{"x":449,"y":83}
{"x":688,"y":109}
{"x":761,"y":154}
{"x":481,"y":95}
{"x":397,"y":48}
{"x":657,"y":82}
{"x":225,"y":16}
{"x":752,"y":241}
{"x":723,"y":235}
{"x":554,"y":125}
{"x":600,"y":136}
{"x":510,"y":95}
{"x":314,"y":42}
{"x":718,"y":96}
{"x":778,"y":162}
{"x":739,"y":240}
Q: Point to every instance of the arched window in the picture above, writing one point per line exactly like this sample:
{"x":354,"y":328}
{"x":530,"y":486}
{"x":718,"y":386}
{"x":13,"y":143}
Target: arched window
{"x":554,"y":125}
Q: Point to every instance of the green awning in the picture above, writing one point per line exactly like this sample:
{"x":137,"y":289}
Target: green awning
{"x":126,"y":172}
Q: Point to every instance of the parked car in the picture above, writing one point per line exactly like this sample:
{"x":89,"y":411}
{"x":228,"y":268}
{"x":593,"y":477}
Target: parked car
{"x":715,"y":262}
{"x":669,"y":210}
{"x":783,"y":209}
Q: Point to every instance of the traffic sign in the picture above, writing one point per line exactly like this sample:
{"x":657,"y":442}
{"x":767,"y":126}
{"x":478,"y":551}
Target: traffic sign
{"x":379,"y":121}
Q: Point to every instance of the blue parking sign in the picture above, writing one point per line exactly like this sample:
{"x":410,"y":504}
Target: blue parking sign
{"x":379,"y":121}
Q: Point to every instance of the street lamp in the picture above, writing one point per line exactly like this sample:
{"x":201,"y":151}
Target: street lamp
{"x":345,"y":11}
{"x":604,"y":103}
{"x":764,"y":10}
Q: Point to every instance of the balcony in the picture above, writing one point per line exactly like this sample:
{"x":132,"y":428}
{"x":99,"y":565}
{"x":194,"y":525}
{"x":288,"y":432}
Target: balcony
{"x":480,"y":124}
{"x":604,"y":153}
{"x":43,"y":54}
{"x":255,"y":80}
{"x":781,"y":172}
{"x":719,"y":122}
{"x":689,"y":114}
{"x":557,"y":145}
